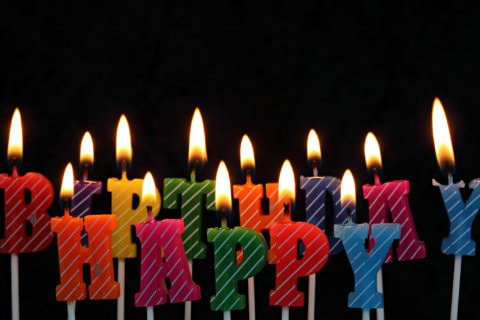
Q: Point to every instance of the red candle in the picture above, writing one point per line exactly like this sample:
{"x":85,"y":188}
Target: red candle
{"x":391,"y":198}
{"x":72,"y":255}
{"x":18,"y":210}
{"x":286,"y":236}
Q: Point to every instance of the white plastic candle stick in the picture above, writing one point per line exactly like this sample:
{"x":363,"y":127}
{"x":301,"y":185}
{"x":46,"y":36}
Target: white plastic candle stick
{"x":365,"y":314}
{"x":227,"y":315}
{"x":121,"y":298}
{"x":311,"y":296}
{"x":14,"y":287}
{"x":188,"y":304}
{"x":285,"y":313}
{"x":71,"y":310}
{"x":251,"y":298}
{"x":380,"y":311}
{"x":150,"y":313}
{"x":457,"y":270}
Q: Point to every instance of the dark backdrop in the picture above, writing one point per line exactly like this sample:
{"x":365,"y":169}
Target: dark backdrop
{"x":273,"y":70}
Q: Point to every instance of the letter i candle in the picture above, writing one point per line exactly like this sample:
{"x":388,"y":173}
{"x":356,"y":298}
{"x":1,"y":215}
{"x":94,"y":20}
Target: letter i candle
{"x":461,"y":214}
{"x":19,"y":212}
{"x":286,"y":236}
{"x":72,"y":255}
{"x":162,"y":256}
{"x":122,"y":192}
{"x":228,"y":271}
{"x":316,"y":189}
{"x":84,"y":189}
{"x":365,"y":265}
{"x":192,"y":194}
{"x":390,"y":197}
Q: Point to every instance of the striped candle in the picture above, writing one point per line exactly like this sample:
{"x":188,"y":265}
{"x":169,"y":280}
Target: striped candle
{"x":392,"y":197}
{"x":250,"y":208}
{"x":227,"y":271}
{"x":84,"y":190}
{"x":289,"y":268}
{"x":72,"y":255}
{"x":162,"y":241}
{"x":316,"y":190}
{"x":123,"y":191}
{"x":461,"y":215}
{"x":18,"y":213}
{"x":189,"y":196}
{"x":366,"y":265}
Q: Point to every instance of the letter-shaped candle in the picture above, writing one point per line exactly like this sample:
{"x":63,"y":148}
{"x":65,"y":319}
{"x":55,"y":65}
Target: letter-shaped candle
{"x":391,"y":197}
{"x":85,"y":189}
{"x":365,"y":265}
{"x":227,"y":270}
{"x":72,"y":255}
{"x":163,"y":256}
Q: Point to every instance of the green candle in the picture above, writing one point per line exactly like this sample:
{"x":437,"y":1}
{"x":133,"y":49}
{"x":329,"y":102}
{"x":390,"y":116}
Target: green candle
{"x":227,"y":271}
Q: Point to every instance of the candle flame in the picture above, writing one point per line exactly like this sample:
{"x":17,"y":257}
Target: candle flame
{"x":347,"y":189}
{"x":223,"y":193}
{"x":197,"y":151}
{"x":441,"y":137}
{"x":373,"y":156}
{"x":247,"y":157}
{"x":15,"y":140}
{"x":314,"y":152}
{"x":66,"y":190}
{"x":86,"y":149}
{"x":124,"y":142}
{"x":286,"y":182}
{"x":149,"y":195}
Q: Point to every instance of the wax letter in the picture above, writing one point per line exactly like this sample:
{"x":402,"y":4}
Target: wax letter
{"x":123,"y":191}
{"x":288,"y":267}
{"x":461,"y":215}
{"x":192,"y":195}
{"x":364,"y":265}
{"x":162,"y":240}
{"x":316,"y":189}
{"x":18,"y":212}
{"x":227,"y":271}
{"x":393,"y":197}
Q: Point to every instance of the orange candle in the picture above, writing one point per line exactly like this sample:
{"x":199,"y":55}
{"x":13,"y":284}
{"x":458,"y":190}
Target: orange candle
{"x":72,"y":255}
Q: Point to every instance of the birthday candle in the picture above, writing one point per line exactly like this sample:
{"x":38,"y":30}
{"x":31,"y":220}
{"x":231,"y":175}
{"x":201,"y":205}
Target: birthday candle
{"x":162,"y":257}
{"x":192,"y":192}
{"x":123,"y":192}
{"x":227,"y":270}
{"x":365,"y":265}
{"x":84,"y":189}
{"x":391,"y":197}
{"x":72,"y":255}
{"x":26,"y":200}
{"x":286,"y":235}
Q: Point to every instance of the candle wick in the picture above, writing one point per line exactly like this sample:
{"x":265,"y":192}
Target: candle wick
{"x":450,"y":178}
{"x":315,"y":170}
{"x":150,"y":214}
{"x":224,"y":220}
{"x":376,"y":177}
{"x":14,"y":171}
{"x":249,"y":178}
{"x":193,"y":175}
{"x":66,"y":207}
{"x":85,"y":173}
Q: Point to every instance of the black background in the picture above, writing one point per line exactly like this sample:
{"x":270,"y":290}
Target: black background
{"x":272,"y":70}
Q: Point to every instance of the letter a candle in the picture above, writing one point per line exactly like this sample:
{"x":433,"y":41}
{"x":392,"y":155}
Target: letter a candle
{"x":72,"y":255}
{"x":365,"y":265}
{"x":461,"y":214}
{"x":286,"y":236}
{"x":191,"y":197}
{"x":227,"y":270}
{"x":316,"y":190}
{"x":163,"y":256}
{"x":19,"y":211}
{"x":123,"y":191}
{"x":390,"y":197}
